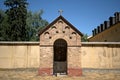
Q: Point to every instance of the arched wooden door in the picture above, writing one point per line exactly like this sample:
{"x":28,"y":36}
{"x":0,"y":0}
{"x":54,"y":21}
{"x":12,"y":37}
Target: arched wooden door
{"x":60,"y":56}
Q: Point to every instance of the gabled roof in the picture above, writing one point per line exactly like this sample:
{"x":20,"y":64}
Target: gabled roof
{"x":60,"y":17}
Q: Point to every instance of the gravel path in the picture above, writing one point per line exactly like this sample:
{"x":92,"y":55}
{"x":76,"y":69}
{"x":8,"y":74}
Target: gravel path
{"x":32,"y":75}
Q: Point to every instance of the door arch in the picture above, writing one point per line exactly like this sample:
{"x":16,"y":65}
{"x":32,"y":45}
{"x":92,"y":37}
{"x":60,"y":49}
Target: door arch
{"x":60,"y":56}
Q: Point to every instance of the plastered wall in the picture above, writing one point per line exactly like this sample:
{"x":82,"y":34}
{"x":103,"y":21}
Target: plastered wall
{"x":27,"y":55}
{"x":100,"y":55}
{"x":19,"y":54}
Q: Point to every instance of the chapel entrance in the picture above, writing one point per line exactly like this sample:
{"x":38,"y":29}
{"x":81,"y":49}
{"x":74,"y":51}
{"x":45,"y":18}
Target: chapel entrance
{"x":60,"y":57}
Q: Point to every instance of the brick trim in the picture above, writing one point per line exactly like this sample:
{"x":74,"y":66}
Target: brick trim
{"x":74,"y":72}
{"x":45,"y":71}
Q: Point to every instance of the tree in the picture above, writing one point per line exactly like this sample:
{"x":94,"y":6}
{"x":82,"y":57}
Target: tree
{"x":4,"y":26}
{"x":35,"y":23}
{"x":1,"y":15}
{"x":84,"y":38}
{"x":1,"y":23}
{"x":17,"y":15}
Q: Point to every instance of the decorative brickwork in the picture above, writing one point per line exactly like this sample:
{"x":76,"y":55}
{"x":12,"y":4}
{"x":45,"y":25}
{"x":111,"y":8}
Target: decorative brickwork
{"x":66,"y":52}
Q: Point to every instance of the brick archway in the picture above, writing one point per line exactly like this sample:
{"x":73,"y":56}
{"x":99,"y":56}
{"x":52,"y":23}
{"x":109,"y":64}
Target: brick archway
{"x":60,"y":57}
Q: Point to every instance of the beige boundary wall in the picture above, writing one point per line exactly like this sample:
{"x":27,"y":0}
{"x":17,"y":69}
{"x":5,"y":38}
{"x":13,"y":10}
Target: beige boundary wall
{"x":19,"y":54}
{"x":96,"y":55}
{"x":100,"y":55}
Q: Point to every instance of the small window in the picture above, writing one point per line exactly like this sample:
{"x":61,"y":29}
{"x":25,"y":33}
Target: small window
{"x":50,"y":37}
{"x":63,"y":31}
{"x":57,"y":32}
{"x":70,"y":37}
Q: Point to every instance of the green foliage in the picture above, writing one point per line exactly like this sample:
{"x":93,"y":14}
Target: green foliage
{"x":4,"y":26}
{"x":35,"y":23}
{"x":17,"y":15}
{"x":16,"y":24}
{"x":2,"y":14}
{"x":84,"y":38}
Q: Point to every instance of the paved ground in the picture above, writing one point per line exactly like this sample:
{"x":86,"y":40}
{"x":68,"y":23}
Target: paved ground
{"x":32,"y":75}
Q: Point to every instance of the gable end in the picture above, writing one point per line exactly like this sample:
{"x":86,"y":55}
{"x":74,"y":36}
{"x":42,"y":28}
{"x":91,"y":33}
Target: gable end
{"x":60,"y":17}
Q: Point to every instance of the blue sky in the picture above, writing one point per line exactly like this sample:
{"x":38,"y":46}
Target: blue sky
{"x":85,"y":15}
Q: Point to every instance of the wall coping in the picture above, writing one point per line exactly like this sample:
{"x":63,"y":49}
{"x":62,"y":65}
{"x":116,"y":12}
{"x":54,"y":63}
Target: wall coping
{"x":18,"y":43}
{"x":37,"y":43}
{"x":100,"y":43}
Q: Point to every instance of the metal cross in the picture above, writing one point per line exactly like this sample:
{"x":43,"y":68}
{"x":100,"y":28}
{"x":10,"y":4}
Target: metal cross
{"x":60,"y":11}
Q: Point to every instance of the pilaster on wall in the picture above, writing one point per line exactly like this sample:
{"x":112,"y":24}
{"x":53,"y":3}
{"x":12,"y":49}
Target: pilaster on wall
{"x":74,"y":61}
{"x":46,"y":61}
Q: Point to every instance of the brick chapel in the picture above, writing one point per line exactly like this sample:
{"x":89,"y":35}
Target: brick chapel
{"x":60,"y":49}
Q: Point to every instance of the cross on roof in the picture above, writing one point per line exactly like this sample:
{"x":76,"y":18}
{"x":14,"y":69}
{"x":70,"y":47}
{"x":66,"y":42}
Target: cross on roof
{"x":60,"y":11}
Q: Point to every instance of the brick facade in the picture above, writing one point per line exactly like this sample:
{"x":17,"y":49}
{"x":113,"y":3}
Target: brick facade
{"x":60,"y":28}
